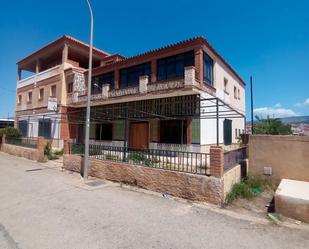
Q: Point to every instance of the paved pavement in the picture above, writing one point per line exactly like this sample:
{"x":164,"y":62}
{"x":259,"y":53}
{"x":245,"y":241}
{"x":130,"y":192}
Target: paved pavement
{"x":42,"y":207}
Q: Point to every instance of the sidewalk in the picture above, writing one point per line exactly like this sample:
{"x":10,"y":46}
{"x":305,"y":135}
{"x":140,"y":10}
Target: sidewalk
{"x":43,"y":207}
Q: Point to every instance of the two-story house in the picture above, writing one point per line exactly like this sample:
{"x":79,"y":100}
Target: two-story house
{"x":182,"y":96}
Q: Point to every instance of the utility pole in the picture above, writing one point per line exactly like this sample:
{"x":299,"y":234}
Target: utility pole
{"x":251,"y":90}
{"x":87,"y":127}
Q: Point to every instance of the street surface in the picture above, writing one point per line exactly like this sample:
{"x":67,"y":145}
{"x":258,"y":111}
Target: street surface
{"x":43,"y":207}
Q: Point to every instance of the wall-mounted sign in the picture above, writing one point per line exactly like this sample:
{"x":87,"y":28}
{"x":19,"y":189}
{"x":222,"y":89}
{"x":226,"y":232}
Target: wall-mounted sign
{"x":52,"y":104}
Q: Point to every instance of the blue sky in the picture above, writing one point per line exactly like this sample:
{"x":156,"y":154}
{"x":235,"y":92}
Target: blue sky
{"x":266,"y":39}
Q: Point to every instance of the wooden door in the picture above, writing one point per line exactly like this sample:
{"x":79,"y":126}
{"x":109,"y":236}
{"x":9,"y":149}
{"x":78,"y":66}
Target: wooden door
{"x":139,"y":135}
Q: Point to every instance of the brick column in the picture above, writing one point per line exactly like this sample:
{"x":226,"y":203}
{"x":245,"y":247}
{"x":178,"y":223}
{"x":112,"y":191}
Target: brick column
{"x":198,"y":61}
{"x":66,"y":146}
{"x":216,"y":161}
{"x":117,"y":79}
{"x":189,"y":76}
{"x":40,"y":147}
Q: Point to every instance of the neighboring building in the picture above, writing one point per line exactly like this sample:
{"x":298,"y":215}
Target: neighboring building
{"x":300,"y":129}
{"x":182,"y":96}
{"x":6,"y":122}
{"x":41,"y":99}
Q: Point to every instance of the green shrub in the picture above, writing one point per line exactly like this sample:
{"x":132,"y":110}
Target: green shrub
{"x":137,"y":157}
{"x":47,"y":149}
{"x":78,"y":149}
{"x":10,"y":132}
{"x":255,"y":182}
{"x":111,"y":157}
{"x":58,"y":152}
{"x":239,"y":190}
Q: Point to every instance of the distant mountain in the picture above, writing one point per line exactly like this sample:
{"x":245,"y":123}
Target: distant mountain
{"x":292,"y":120}
{"x":295,"y":120}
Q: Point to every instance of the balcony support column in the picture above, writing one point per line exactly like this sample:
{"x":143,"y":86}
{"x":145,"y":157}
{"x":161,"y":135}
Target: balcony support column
{"x":65,"y":52}
{"x":153,"y":71}
{"x":198,"y":61}
{"x":19,"y":74}
{"x":117,"y":79}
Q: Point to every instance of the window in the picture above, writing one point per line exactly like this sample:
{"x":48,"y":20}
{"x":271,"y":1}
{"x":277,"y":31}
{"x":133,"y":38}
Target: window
{"x":130,"y":76}
{"x":29,"y":100}
{"x":45,"y":128}
{"x":104,"y":131}
{"x":236,"y":134}
{"x":41,"y":94}
{"x":174,"y":66}
{"x":23,"y":127}
{"x":208,"y":69}
{"x":170,"y":131}
{"x":235,"y":92}
{"x":100,"y":80}
{"x":70,"y":87}
{"x":53,"y":91}
{"x":226,"y":86}
{"x":19,"y":99}
{"x":238,"y":94}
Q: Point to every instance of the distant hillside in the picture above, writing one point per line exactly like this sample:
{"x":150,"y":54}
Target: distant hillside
{"x":300,"y":119}
{"x":292,"y":120}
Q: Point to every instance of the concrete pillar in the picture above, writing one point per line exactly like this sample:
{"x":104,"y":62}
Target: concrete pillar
{"x":216,"y":161}
{"x":65,"y":53}
{"x":105,"y":90}
{"x":198,"y":61}
{"x":37,"y":66}
{"x":40,"y":148}
{"x":143,"y":82}
{"x":189,"y":76}
{"x":153,"y":71}
{"x":19,"y":74}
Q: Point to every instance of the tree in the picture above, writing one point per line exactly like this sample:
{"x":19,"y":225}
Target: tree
{"x":10,"y":132}
{"x":271,"y":126}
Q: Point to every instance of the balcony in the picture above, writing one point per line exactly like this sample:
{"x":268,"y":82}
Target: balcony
{"x":39,"y":76}
{"x":144,"y":87}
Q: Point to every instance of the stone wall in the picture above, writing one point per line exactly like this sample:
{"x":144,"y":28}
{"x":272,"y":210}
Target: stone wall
{"x":29,"y":153}
{"x":231,"y":177}
{"x":287,"y":156}
{"x":184,"y":185}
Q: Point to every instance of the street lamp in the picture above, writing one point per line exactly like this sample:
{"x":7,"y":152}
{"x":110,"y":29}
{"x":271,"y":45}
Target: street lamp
{"x":87,"y":128}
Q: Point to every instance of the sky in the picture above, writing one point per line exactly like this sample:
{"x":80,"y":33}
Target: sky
{"x":266,"y":39}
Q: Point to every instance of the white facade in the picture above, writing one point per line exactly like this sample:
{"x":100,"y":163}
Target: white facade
{"x":33,"y":124}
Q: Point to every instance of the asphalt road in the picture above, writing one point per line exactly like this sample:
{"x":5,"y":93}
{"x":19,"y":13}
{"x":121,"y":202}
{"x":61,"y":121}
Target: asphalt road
{"x":42,"y":207}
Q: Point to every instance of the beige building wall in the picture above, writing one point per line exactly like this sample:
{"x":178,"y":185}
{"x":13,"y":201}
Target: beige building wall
{"x":288,"y":156}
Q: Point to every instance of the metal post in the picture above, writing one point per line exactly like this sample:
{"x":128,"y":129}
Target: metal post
{"x":181,"y":133}
{"x":217,"y":111}
{"x":251,"y":89}
{"x":87,"y":127}
{"x":126,"y":135}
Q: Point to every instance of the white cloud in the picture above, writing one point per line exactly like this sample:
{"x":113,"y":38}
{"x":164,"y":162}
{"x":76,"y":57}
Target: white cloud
{"x":305,"y":103}
{"x":273,"y":112}
{"x":278,"y":105}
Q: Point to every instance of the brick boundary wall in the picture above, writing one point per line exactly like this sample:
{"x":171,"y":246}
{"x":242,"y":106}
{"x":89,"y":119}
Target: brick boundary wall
{"x":29,"y":153}
{"x":189,"y":186}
